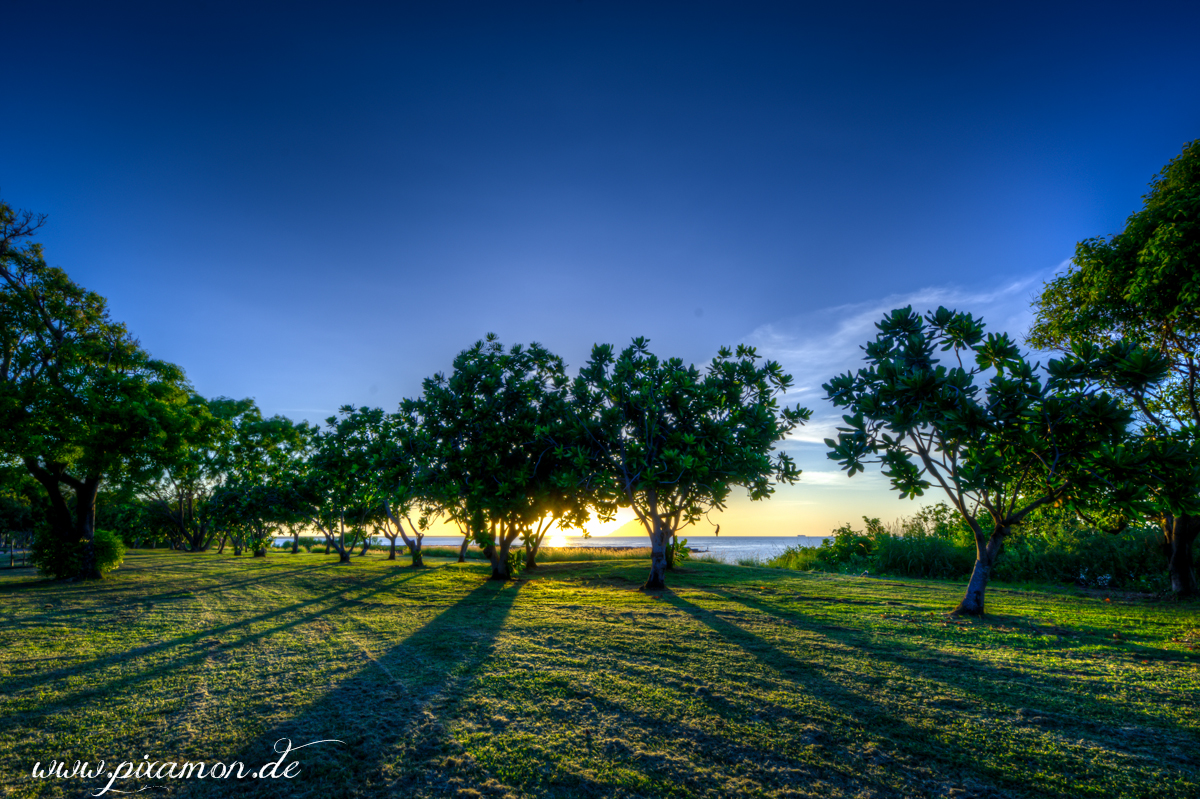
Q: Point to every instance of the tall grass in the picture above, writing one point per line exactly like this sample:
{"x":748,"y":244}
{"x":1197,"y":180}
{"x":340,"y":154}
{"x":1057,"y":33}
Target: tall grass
{"x":563,"y":554}
{"x":552,"y":554}
{"x":1052,"y":547}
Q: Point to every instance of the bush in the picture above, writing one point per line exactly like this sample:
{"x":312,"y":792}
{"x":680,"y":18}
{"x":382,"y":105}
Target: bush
{"x":1051,"y":547}
{"x":846,"y":550}
{"x":797,"y":558}
{"x":59,"y":560}
{"x":1077,"y":554}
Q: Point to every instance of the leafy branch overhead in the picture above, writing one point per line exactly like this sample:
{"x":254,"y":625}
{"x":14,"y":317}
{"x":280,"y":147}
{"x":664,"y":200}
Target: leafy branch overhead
{"x":1142,"y":286}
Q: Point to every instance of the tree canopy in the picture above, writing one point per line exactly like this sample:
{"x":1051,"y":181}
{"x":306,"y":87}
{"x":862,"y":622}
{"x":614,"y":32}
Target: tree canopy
{"x":998,"y":436}
{"x":671,"y":443}
{"x":80,"y":400}
{"x":495,"y":426}
{"x":1142,"y":286}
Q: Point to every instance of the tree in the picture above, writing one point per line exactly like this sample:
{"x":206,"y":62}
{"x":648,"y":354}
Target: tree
{"x":180,"y":493}
{"x":392,"y":450}
{"x":492,"y":427}
{"x":80,"y":401}
{"x":326,"y":483}
{"x":1142,"y":285}
{"x":250,"y":513}
{"x":671,"y":443}
{"x":999,"y":450}
{"x":252,"y":466}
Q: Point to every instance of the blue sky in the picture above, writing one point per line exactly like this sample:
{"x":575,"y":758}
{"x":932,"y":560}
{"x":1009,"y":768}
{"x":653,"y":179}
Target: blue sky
{"x":320,"y":205}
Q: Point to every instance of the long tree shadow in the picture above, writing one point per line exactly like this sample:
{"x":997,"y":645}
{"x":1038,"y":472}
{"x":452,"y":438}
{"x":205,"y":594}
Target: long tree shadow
{"x":202,"y":644}
{"x":912,"y":744}
{"x":979,"y":678}
{"x":197,"y":638}
{"x":127,"y":595}
{"x":390,"y":716}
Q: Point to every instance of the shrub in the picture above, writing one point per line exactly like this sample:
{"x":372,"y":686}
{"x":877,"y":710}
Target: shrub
{"x":60,"y":560}
{"x":1053,"y":546}
{"x":1075,"y":553}
{"x":798,"y":558}
{"x":846,"y":551}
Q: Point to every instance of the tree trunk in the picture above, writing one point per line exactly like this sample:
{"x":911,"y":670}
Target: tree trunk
{"x":62,"y":525}
{"x":499,"y":558}
{"x":1179,"y":533}
{"x":414,"y":548}
{"x":261,"y":552}
{"x":197,"y":540}
{"x":295,"y":543}
{"x":986,"y":553}
{"x":659,"y":541}
{"x":392,"y":548}
{"x":462,"y":550}
{"x":85,"y":514}
{"x":366,"y":545}
{"x":531,"y":552}
{"x":221,"y":548}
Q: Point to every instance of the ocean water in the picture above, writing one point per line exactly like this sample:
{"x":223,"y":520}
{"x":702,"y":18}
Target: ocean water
{"x":726,"y":548}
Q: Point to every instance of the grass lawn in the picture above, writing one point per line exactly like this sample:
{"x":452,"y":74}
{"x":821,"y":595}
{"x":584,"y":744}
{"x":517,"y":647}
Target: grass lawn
{"x":737,"y":682}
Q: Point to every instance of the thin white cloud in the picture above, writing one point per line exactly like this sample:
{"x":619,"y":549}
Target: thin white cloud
{"x":837,"y":479}
{"x":818,"y":346}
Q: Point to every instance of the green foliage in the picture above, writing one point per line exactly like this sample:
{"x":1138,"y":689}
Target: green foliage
{"x":797,"y":558}
{"x":929,"y":423}
{"x":19,"y":501}
{"x":305,"y":542}
{"x":846,"y":550}
{"x":317,"y":479}
{"x":929,"y":557}
{"x":391,"y":452}
{"x":59,"y":560}
{"x":80,"y":401}
{"x":552,"y":554}
{"x":1142,"y":286}
{"x":672,"y":442}
{"x":1050,"y":547}
{"x":496,"y":429}
{"x":1080,"y":554}
{"x":515,"y":561}
{"x":680,"y":550}
{"x":942,"y":404}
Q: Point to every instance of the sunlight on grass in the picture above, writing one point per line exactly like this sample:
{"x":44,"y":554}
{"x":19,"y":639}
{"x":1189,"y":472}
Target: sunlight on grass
{"x":570,"y":682}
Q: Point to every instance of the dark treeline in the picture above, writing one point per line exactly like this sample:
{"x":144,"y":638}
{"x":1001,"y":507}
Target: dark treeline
{"x":103,"y":446}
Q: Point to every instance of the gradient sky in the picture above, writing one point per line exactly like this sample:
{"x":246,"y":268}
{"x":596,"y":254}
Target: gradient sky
{"x":319,"y":205}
